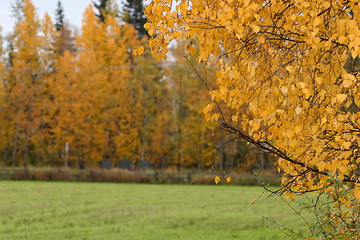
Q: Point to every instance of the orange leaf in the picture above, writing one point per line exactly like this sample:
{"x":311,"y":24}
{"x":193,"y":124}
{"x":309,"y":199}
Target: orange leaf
{"x":228,"y":179}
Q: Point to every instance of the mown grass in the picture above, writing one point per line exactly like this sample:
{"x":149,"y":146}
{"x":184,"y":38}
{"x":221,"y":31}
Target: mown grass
{"x":64,"y":210}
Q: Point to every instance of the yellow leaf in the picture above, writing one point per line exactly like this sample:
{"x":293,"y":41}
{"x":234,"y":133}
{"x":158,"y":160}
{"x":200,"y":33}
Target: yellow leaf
{"x":234,"y":118}
{"x":297,"y":129}
{"x":317,"y":21}
{"x":293,"y":143}
{"x":177,"y":34}
{"x":342,"y":39}
{"x":326,"y":4}
{"x":284,"y":89}
{"x":289,"y":134}
{"x":357,"y":192}
{"x":321,"y":165}
{"x":354,"y":54}
{"x":302,"y":84}
{"x":182,"y":8}
{"x":207,"y":111}
{"x":290,"y":195}
{"x":217,"y":179}
{"x":307,"y":92}
{"x":138,"y":51}
{"x":223,"y":90}
{"x":147,"y":25}
{"x":141,"y":50}
{"x":208,"y":108}
{"x":151,"y":31}
{"x":256,"y":125}
{"x":256,"y":28}
{"x":348,"y":80}
{"x":215,"y":116}
{"x":319,"y":80}
{"x":228,"y":179}
{"x":192,"y":51}
{"x":298,"y":110}
{"x":346,"y":145}
{"x":261,"y":39}
{"x":341,"y":97}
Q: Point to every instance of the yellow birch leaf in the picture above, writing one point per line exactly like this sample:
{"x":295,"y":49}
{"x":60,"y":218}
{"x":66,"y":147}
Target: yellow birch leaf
{"x":290,"y":195}
{"x":307,"y":92}
{"x":183,"y":7}
{"x":321,"y":165}
{"x":151,"y":31}
{"x":177,"y":34}
{"x":342,"y":39}
{"x":261,"y":39}
{"x":255,"y":125}
{"x":284,"y":89}
{"x":357,"y":192}
{"x":302,"y":84}
{"x":192,"y":51}
{"x":138,"y":51}
{"x":297,"y":129}
{"x":298,"y":110}
{"x":354,"y":54}
{"x":317,"y":21}
{"x":217,"y":179}
{"x":147,"y":25}
{"x":215,"y":117}
{"x":346,"y":145}
{"x":319,"y":80}
{"x":234,"y":118}
{"x":141,"y":50}
{"x":256,"y":28}
{"x":341,"y":97}
{"x":223,"y":90}
{"x":289,"y":134}
{"x":347,"y":83}
{"x":293,"y":143}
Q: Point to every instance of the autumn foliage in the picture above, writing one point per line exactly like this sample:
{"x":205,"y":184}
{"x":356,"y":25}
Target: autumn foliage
{"x":288,"y":73}
{"x":73,"y":100}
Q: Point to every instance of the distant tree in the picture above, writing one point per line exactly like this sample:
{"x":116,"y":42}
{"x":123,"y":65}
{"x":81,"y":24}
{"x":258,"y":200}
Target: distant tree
{"x":106,"y":7}
{"x":26,"y":88}
{"x":18,"y":13}
{"x":10,"y":49}
{"x":59,"y":16}
{"x":133,"y":13}
{"x":17,"y":10}
{"x":65,"y":39}
{"x":101,"y":7}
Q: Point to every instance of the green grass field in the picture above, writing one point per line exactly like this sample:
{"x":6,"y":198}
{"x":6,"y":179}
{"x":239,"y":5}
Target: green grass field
{"x":61,"y":210}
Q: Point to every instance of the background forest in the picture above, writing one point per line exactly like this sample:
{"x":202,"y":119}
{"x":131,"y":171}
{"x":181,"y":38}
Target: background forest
{"x":73,"y":98}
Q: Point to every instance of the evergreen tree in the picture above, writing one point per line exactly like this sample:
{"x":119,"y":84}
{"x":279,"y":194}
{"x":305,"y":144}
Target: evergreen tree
{"x":17,"y":10}
{"x":106,"y":7}
{"x":102,"y":9}
{"x":59,"y":16}
{"x":133,"y":14}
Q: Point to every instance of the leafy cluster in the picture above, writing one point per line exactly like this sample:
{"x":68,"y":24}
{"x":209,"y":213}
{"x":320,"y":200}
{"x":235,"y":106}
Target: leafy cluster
{"x":288,"y":73}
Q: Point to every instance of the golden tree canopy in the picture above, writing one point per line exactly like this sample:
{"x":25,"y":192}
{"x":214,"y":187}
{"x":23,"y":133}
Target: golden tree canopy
{"x":287,"y":70}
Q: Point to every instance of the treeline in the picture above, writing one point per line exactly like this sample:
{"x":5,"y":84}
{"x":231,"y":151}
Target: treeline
{"x":72,"y":98}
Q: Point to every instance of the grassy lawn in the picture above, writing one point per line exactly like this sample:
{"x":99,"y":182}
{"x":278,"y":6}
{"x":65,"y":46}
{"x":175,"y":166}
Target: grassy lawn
{"x":61,"y":210}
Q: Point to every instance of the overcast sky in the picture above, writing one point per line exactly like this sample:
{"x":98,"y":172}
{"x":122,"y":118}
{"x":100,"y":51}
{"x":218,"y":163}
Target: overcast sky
{"x":73,"y":10}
